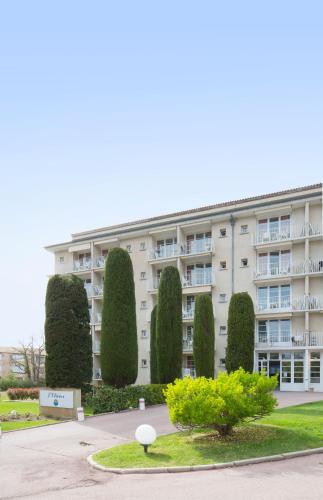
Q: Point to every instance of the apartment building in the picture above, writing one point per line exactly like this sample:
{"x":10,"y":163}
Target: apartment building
{"x":270,"y":246}
{"x":11,"y":362}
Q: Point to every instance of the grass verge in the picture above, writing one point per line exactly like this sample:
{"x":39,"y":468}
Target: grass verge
{"x":287,"y":429}
{"x":13,"y":426}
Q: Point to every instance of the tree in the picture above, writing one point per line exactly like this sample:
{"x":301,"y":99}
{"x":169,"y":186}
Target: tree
{"x":169,"y":326}
{"x":119,"y":346}
{"x":203,"y":338}
{"x":222,"y":403}
{"x":67,"y":333}
{"x":153,"y":348}
{"x":30,"y":360}
{"x":241,"y":333}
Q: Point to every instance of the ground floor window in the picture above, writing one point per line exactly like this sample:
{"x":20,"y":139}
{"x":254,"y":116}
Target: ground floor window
{"x":289,"y":366}
{"x":315,"y":368}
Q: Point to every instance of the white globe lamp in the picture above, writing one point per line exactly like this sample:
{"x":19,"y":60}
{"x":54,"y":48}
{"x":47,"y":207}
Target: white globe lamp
{"x":145,"y":435}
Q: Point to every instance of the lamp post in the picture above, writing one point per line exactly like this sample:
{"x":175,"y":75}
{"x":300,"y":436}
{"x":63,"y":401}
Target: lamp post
{"x":145,"y":435}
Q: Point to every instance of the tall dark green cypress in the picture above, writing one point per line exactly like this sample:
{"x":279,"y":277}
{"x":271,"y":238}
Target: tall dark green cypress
{"x":119,"y":345}
{"x":169,"y":326}
{"x":67,"y":334}
{"x":241,"y":333}
{"x":203,"y":337}
{"x":153,"y":347}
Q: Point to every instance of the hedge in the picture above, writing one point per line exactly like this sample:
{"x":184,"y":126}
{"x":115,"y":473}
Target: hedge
{"x":10,"y":382}
{"x":19,"y":393}
{"x":107,"y":398}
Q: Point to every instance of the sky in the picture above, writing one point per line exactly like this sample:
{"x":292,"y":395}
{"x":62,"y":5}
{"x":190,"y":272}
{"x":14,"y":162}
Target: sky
{"x":112,"y":111}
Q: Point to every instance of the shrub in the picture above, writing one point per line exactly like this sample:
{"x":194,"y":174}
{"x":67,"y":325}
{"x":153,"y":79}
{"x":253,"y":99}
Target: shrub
{"x":68,"y":360}
{"x":169,"y":326}
{"x":19,"y":393}
{"x":203,"y":339}
{"x":220,"y":404}
{"x":12,"y":381}
{"x":153,"y":348}
{"x":241,"y":333}
{"x":106,"y":398}
{"x":119,"y":347}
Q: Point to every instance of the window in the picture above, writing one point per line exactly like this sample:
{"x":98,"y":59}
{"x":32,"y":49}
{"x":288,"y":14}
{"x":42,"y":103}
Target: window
{"x":198,"y":274}
{"x":223,"y":232}
{"x":273,"y":229}
{"x":223,"y":330}
{"x":61,"y":259}
{"x":223,"y":264}
{"x":222,"y":297}
{"x":286,"y":364}
{"x":274,"y":297}
{"x":142,"y":245}
{"x":128,"y":248}
{"x":166,"y":248}
{"x":144,"y":334}
{"x":143,"y":304}
{"x":274,"y":331}
{"x":315,"y":368}
{"x":143,"y":275}
{"x":196,"y":243}
{"x":298,"y":367}
{"x":274,"y":263}
{"x":244,"y":262}
{"x":144,"y":363}
{"x":222,"y":361}
{"x":244,"y":229}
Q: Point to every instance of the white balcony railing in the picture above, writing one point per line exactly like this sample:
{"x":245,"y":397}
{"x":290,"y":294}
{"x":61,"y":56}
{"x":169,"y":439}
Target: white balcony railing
{"x":279,"y":306}
{"x":187,"y":345}
{"x":292,"y":233}
{"x":93,"y":290}
{"x":197,"y":246}
{"x":97,"y":347}
{"x":197,"y":278}
{"x":164,"y":252}
{"x":99,"y":262}
{"x":98,"y":318}
{"x":309,"y":266}
{"x":189,"y":372}
{"x":188,"y":312}
{"x":301,"y":339}
{"x":82,"y":265}
{"x":273,"y":272}
{"x":308,"y":303}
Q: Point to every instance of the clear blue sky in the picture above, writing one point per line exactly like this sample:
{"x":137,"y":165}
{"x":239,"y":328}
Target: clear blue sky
{"x":112,"y":111}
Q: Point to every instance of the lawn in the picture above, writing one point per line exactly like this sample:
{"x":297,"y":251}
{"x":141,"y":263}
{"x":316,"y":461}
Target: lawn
{"x":287,"y":429}
{"x":20,"y":407}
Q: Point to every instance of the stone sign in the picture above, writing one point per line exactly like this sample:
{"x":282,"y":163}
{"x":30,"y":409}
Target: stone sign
{"x":59,"y":403}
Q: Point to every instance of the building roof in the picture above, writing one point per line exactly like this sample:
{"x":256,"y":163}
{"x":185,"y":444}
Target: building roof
{"x":226,"y":205}
{"x":9,"y":350}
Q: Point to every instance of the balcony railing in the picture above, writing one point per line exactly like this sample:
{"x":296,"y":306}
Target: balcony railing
{"x":197,"y":278}
{"x":292,"y":233}
{"x":301,"y":339}
{"x":279,"y":306}
{"x":82,"y":265}
{"x":308,"y":303}
{"x":164,"y":252}
{"x":97,"y":374}
{"x":188,"y":312}
{"x":187,"y":345}
{"x":197,"y":246}
{"x":272,"y":272}
{"x":93,"y":290}
{"x":189,"y":372}
{"x":97,"y":347}
{"x":309,"y":266}
{"x":99,"y":262}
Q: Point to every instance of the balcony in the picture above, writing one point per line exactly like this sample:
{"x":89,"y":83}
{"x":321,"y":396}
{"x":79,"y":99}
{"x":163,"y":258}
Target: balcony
{"x":99,"y":262}
{"x":197,"y":246}
{"x":301,"y":339}
{"x":189,"y":372}
{"x":188,"y":312}
{"x":197,"y":277}
{"x":93,"y":290}
{"x":284,"y":305}
{"x":82,"y":265}
{"x":97,"y":347}
{"x":272,"y":273}
{"x":97,"y":374}
{"x":310,"y":267}
{"x":287,"y":234}
{"x":187,"y":345}
{"x":164,"y":252}
{"x":308,"y":303}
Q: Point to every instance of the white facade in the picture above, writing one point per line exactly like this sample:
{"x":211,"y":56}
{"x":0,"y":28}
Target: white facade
{"x":270,"y":246}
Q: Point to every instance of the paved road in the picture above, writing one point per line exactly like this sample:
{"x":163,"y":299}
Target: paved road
{"x":49,"y":462}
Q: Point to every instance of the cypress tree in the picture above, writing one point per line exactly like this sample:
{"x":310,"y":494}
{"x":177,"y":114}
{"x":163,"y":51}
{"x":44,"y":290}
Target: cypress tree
{"x":67,"y":334}
{"x":119,"y":346}
{"x":203,"y":338}
{"x":241,"y":333}
{"x":169,"y":326}
{"x":153,"y":348}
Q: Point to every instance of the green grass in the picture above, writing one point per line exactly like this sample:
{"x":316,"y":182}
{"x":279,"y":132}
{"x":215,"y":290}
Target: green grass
{"x":287,"y":429}
{"x":19,"y":406}
{"x":13,"y":426}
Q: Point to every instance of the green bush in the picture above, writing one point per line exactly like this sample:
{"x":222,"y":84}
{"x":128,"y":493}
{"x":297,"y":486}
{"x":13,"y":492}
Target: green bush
{"x":12,"y":381}
{"x":169,"y":326}
{"x":106,"y":398}
{"x":222,"y":403}
{"x":241,"y":333}
{"x":119,"y":345}
{"x":19,"y":393}
{"x":203,"y":338}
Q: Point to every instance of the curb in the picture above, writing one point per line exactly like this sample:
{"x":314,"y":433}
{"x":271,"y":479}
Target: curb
{"x":127,"y":410}
{"x":35,"y":426}
{"x":196,"y":468}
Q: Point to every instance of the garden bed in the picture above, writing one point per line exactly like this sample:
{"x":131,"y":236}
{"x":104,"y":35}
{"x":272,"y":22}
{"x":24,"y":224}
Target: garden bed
{"x":27,"y":415}
{"x":287,"y":429}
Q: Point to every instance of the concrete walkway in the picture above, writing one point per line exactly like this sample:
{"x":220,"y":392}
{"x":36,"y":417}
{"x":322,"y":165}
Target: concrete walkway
{"x":50,"y":462}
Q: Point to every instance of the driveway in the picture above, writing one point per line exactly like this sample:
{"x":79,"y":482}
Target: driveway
{"x":50,"y":462}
